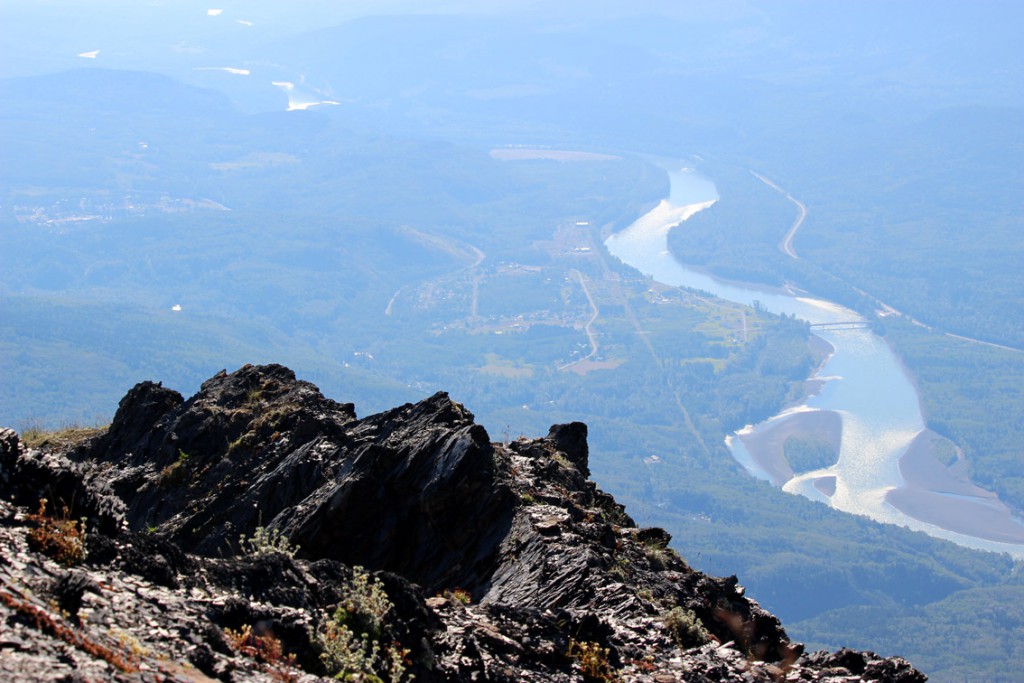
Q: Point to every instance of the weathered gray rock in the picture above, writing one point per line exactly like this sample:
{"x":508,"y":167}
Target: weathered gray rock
{"x":10,"y":450}
{"x":536,"y":575}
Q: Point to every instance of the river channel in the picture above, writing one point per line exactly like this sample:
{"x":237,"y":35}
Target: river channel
{"x":862,"y":382}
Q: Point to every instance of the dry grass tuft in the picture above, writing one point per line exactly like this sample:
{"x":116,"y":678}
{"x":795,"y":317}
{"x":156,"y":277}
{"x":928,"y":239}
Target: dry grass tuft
{"x":60,"y":538}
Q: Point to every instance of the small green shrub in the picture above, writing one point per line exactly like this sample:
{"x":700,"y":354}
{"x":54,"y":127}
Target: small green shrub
{"x":264,"y":542}
{"x":245,"y":442}
{"x":620,"y":570}
{"x":657,"y":557}
{"x":686,"y":628}
{"x":175,"y":473}
{"x":351,"y":639}
{"x":365,"y":604}
{"x":563,"y":461}
{"x":349,"y":656}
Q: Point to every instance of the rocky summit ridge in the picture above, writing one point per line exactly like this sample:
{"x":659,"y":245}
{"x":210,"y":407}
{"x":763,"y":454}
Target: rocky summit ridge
{"x":260,"y":531}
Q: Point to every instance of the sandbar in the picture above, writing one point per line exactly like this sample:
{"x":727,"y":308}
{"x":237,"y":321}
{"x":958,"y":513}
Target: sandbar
{"x":945,"y":497}
{"x":766,"y":444}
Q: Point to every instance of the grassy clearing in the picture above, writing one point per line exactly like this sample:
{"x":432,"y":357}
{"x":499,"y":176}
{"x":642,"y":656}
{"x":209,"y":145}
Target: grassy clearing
{"x":36,"y":436}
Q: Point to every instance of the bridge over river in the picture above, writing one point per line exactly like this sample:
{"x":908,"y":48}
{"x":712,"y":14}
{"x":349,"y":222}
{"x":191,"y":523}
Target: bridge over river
{"x":843,"y":325}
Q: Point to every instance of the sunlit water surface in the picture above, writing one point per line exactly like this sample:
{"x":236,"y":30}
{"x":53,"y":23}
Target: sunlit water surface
{"x":865,"y":382}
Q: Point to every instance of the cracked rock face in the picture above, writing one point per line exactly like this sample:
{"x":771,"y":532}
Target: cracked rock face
{"x":499,"y":563}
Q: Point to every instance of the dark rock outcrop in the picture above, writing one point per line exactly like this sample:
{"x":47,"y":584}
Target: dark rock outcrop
{"x":195,"y":506}
{"x":414,"y":490}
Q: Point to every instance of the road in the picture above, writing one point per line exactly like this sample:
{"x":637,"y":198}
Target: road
{"x":889,"y":310}
{"x":588,"y":327}
{"x":786,"y":245}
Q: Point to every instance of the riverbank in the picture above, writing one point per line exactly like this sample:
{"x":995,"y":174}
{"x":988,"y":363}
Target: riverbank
{"x":862,"y":404}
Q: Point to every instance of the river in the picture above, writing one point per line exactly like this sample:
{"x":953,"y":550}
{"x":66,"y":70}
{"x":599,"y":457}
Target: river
{"x":863,"y":382}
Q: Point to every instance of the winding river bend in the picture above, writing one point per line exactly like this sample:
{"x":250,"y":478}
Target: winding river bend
{"x":867,"y":402}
